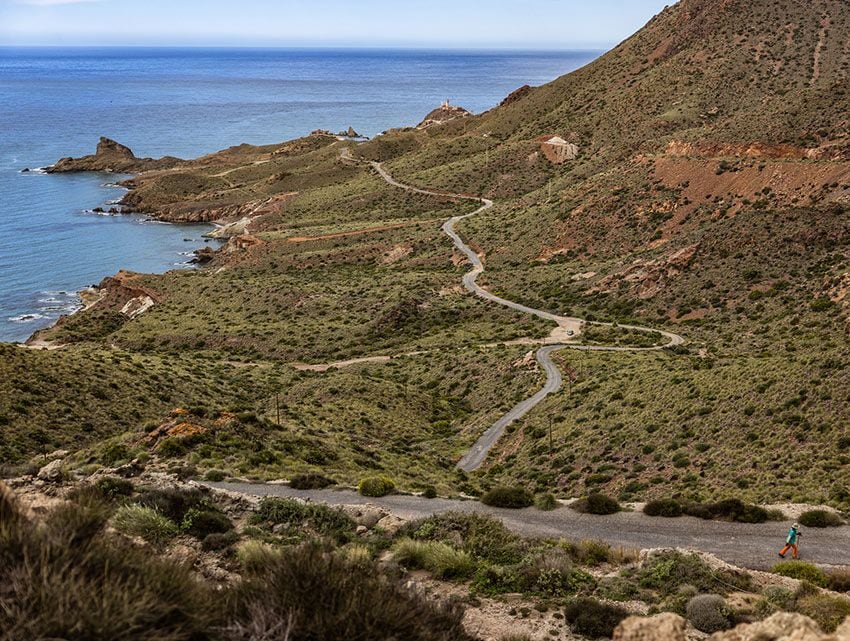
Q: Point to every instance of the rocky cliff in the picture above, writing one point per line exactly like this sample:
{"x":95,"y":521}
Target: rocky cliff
{"x":112,"y":157}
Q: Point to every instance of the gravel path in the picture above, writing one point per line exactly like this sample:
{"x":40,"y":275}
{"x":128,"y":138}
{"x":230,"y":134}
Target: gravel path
{"x":747,"y":545}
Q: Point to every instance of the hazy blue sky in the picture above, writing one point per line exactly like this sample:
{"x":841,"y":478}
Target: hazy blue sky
{"x":542,"y":24}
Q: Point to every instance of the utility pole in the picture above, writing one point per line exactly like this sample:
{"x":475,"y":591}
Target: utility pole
{"x":277,"y":406}
{"x":551,"y":449}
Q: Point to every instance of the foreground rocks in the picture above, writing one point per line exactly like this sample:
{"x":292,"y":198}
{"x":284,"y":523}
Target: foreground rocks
{"x":783,"y":626}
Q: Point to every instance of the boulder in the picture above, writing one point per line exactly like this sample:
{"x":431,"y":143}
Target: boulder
{"x":131,"y":469}
{"x":391,"y":524}
{"x":365,"y":515}
{"x":782,"y":626}
{"x":661,"y":627}
{"x":53,"y":472}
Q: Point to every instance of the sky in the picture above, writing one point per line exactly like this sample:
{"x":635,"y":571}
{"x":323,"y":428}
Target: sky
{"x":524,"y":24}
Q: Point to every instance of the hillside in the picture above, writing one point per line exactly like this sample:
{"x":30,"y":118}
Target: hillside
{"x":707,"y":193}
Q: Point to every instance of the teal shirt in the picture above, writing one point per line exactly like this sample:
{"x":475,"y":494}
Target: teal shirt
{"x":792,"y":537}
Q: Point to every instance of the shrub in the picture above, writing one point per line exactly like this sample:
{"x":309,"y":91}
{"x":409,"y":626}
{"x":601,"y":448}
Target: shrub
{"x":546,"y":502}
{"x":310,"y":481}
{"x":320,"y":519}
{"x":508,"y":497}
{"x":376,"y":486}
{"x":113,"y":452}
{"x":839,"y":581}
{"x":254,"y":556}
{"x":440,"y":559}
{"x":597,"y":503}
{"x":668,"y":571}
{"x":173,"y":503}
{"x":484,"y":537}
{"x":708,"y":613}
{"x":216,"y":476}
{"x":324,"y":595}
{"x":144,"y":522}
{"x":430,"y":492}
{"x":669,"y":508}
{"x":202,"y":523}
{"x":820,"y":518}
{"x":219,"y":540}
{"x":827,"y":611}
{"x":112,"y":487}
{"x":99,"y":588}
{"x":594,"y":618}
{"x":802,"y":571}
{"x":728,"y":509}
{"x":172,"y":447}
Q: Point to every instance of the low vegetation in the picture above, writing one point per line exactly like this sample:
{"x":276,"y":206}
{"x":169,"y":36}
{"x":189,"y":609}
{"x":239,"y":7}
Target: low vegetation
{"x":596,"y":503}
{"x":376,"y":486}
{"x":509,"y":497}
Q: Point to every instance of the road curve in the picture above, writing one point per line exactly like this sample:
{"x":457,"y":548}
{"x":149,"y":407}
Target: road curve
{"x":746,"y":545}
{"x":568,"y":326}
{"x":477,"y":454}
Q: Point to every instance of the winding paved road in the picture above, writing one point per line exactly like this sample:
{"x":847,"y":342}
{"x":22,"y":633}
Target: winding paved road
{"x":746,"y":545}
{"x":568,"y":327}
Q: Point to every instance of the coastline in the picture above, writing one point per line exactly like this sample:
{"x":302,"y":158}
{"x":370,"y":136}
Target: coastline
{"x":87,"y":297}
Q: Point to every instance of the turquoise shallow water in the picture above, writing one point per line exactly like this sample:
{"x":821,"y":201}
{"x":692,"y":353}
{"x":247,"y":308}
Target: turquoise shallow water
{"x":187,"y":102}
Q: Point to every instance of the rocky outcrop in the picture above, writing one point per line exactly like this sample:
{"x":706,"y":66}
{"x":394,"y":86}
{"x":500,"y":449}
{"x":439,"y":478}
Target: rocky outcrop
{"x":662,"y":627}
{"x":516,"y":95}
{"x":681,"y":149}
{"x":443,"y":114}
{"x":783,"y":626}
{"x":112,"y":157}
{"x":648,"y":277}
{"x":557,"y":150}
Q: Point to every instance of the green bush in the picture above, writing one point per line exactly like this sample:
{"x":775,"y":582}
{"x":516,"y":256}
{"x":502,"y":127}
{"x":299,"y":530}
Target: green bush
{"x":320,"y":520}
{"x":802,"y":571}
{"x":508,"y":497}
{"x":729,"y":510}
{"x":484,"y":537}
{"x":376,"y":486}
{"x":113,"y":487}
{"x":708,"y":613}
{"x":839,"y":581}
{"x":215,"y":476}
{"x":310,"y":481}
{"x":546,"y":502}
{"x":668,"y":571}
{"x":174,"y":503}
{"x":597,"y":503}
{"x":430,"y":492}
{"x":172,"y":447}
{"x":827,"y":611}
{"x":594,"y":618}
{"x":820,"y":518}
{"x":202,"y":523}
{"x":219,"y":540}
{"x":440,"y":559}
{"x":144,"y":522}
{"x":669,"y":508}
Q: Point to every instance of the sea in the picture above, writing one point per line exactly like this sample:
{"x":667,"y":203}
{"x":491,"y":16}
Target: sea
{"x":57,"y":102}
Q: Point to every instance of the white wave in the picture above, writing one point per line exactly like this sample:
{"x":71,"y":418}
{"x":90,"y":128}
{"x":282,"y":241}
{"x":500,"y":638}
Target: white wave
{"x":25,"y":318}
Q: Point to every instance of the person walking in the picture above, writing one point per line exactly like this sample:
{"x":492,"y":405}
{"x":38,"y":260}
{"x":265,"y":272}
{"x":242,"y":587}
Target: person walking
{"x":791,"y":541}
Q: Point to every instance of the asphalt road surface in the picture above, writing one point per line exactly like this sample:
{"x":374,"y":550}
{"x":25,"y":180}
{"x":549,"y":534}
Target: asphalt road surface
{"x":753,"y":546}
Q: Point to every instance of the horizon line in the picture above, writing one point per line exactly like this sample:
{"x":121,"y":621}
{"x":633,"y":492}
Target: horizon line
{"x":584,"y":48}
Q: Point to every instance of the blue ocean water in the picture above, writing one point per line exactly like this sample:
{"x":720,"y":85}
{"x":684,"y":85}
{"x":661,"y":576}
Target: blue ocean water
{"x":56,"y":102}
